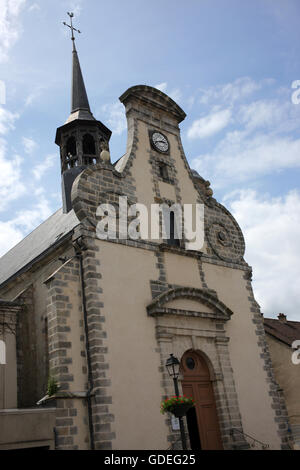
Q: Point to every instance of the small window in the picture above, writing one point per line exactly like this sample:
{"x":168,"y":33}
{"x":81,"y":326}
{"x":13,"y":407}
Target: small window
{"x":88,"y":145}
{"x":173,"y":240}
{"x":190,"y":363}
{"x":163,"y":171}
{"x":172,"y":231}
{"x":2,"y":353}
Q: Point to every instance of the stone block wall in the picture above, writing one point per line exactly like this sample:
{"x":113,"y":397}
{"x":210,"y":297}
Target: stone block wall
{"x":67,"y":356}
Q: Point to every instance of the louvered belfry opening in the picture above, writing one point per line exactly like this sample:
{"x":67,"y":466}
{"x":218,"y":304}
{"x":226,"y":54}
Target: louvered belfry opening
{"x":71,"y":157}
{"x":89,"y":150}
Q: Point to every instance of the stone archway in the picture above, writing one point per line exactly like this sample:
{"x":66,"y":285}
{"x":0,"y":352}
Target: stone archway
{"x":194,"y":320}
{"x":203,"y":424}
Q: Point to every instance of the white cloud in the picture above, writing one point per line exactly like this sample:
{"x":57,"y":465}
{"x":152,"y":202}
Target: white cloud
{"x":7,"y":120}
{"x":190,"y":101}
{"x":230,"y":92}
{"x":74,"y":6}
{"x":275,"y":115}
{"x":271,"y":228}
{"x":116,"y":119}
{"x":14,"y":230}
{"x":239,"y":157}
{"x":2,"y":92}
{"x":34,"y":95}
{"x":162,"y":86}
{"x":260,"y":114}
{"x":11,"y":186}
{"x":10,"y":28}
{"x":175,"y":94}
{"x":210,"y":124}
{"x":40,"y":169}
{"x":10,"y":168}
{"x":30,"y":219}
{"x":34,"y":7}
{"x":29,"y":145}
{"x":263,"y":140}
{"x":9,"y":236}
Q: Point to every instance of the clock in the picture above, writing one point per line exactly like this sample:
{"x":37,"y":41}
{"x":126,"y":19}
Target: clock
{"x":159,"y":142}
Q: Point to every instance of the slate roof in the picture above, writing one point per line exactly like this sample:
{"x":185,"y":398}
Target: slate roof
{"x":283,"y":330}
{"x":36,"y":244}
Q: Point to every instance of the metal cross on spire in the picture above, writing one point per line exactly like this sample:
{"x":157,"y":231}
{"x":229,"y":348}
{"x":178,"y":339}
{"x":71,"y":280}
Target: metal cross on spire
{"x":71,"y":15}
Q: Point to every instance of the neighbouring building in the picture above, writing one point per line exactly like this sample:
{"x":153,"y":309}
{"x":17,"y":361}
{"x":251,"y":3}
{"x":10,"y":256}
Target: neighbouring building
{"x":22,"y":424}
{"x":283,"y":338}
{"x":102,"y":316}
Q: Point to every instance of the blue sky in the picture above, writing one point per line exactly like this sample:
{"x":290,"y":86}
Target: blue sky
{"x":229,"y":64}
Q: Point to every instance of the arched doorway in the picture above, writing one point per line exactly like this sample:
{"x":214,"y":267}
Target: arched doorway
{"x":203,"y":425}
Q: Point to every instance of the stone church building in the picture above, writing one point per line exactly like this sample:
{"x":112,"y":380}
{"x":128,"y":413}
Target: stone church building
{"x":103,"y":316}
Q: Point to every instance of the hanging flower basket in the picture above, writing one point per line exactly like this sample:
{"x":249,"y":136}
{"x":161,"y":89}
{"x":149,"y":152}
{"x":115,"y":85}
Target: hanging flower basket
{"x":181,"y":409}
{"x":178,"y":406}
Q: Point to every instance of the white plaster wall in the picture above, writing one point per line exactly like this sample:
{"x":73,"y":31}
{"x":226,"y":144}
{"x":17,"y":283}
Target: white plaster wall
{"x":132,"y":354}
{"x":250,"y":378}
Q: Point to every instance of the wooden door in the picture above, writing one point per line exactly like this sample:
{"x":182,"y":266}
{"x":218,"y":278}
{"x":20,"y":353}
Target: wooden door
{"x":197,"y":384}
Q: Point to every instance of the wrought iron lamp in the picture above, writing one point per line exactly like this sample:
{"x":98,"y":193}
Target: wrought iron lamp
{"x":173,"y":366}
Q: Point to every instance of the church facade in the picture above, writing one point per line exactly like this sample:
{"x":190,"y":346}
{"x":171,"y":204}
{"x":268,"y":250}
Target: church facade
{"x":101,"y":317}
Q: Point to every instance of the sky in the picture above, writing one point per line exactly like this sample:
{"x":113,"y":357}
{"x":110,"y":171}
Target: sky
{"x":230,"y":64}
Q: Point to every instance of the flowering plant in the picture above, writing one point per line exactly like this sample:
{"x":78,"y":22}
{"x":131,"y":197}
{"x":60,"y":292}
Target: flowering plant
{"x":169,"y":404}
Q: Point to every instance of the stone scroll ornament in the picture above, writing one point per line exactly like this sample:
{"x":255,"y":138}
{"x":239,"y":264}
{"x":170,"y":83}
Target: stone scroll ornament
{"x":226,"y":239}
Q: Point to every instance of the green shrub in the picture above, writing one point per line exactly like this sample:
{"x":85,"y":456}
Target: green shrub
{"x":52,"y":386}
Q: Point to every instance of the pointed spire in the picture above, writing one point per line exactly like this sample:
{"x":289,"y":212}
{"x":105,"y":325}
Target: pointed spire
{"x":79,"y":96}
{"x":80,"y":108}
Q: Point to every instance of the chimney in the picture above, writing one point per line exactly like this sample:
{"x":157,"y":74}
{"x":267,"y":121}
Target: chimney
{"x":282,"y":317}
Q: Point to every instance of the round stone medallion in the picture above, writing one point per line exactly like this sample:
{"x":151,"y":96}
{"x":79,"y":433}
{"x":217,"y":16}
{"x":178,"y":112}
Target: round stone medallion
{"x":226,"y":240}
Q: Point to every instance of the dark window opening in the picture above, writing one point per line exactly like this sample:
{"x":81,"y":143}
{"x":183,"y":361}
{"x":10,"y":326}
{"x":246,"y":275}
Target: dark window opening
{"x":71,"y":153}
{"x":88,"y":145}
{"x":163,"y":171}
{"x":173,"y":240}
{"x":71,"y":146}
{"x":71,"y":161}
{"x":89,"y":161}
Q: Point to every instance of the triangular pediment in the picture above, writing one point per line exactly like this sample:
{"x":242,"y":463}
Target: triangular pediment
{"x":188,"y":301}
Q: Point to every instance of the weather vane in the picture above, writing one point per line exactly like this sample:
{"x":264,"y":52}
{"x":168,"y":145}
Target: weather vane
{"x":71,"y":15}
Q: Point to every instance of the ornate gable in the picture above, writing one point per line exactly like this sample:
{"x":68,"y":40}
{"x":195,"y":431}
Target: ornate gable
{"x":156,"y":98}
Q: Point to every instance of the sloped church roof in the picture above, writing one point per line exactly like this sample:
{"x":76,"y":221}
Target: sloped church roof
{"x":46,"y":236}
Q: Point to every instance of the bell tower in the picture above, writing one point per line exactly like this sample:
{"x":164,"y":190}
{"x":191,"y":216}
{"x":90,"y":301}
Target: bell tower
{"x":82,"y":138}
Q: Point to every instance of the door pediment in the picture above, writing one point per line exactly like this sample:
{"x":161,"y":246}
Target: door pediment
{"x":186,"y":301}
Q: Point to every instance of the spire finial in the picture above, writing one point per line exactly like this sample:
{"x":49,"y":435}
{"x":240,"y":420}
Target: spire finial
{"x":71,"y":15}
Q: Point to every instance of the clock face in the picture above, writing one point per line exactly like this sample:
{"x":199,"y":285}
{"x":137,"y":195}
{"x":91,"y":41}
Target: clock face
{"x":160,"y":142}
